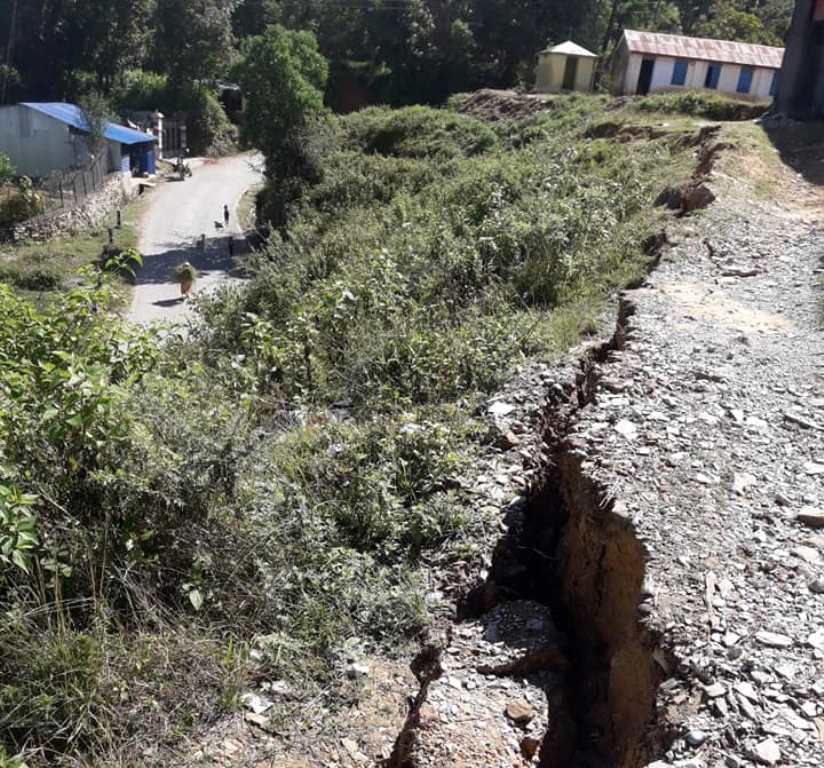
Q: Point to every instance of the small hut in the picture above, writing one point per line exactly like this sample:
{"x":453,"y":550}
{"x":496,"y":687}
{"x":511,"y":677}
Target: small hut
{"x":566,"y":67}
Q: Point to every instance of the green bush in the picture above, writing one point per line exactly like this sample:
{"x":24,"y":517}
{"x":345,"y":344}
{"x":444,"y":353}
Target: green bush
{"x":6,"y":169}
{"x":410,"y":280}
{"x":23,"y":204}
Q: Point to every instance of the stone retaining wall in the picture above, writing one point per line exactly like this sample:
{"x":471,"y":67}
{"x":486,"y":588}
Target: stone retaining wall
{"x":91,"y":213}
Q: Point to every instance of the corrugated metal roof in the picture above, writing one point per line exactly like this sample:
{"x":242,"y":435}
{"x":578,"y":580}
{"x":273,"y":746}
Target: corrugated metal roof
{"x":721,"y":51}
{"x":72,"y":115}
{"x":571,"y":49}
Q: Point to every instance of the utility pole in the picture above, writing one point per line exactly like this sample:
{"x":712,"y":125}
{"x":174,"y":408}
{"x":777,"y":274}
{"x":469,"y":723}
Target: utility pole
{"x":9,"y":50}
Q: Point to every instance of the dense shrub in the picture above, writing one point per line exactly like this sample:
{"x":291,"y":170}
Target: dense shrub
{"x":417,"y":132}
{"x":410,"y":271}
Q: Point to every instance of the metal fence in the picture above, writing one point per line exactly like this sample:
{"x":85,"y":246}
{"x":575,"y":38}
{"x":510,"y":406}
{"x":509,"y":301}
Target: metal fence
{"x":64,"y":189}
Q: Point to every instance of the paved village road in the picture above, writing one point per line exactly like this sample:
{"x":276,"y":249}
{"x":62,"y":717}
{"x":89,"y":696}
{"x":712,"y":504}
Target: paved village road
{"x":179,"y":214}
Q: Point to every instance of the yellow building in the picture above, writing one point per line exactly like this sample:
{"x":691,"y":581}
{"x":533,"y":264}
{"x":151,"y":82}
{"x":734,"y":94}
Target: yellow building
{"x":566,"y":67}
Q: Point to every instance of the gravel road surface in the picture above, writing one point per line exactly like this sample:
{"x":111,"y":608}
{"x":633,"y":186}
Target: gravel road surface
{"x":179,"y":215}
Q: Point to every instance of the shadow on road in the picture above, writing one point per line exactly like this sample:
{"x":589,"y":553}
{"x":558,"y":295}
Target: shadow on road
{"x":211,"y":257}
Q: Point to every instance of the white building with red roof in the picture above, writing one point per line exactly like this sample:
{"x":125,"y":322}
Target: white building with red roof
{"x":649,"y":62}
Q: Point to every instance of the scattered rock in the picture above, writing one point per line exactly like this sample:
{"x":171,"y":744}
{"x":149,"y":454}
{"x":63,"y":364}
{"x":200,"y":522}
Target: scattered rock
{"x":773,"y":639}
{"x":351,"y":746}
{"x":742,"y":481}
{"x":627,"y":429}
{"x":767,"y":752}
{"x":813,"y":518}
{"x":530,"y":746}
{"x":808,"y":554}
{"x":519,"y":712}
{"x":715,"y":690}
{"x":256,"y":703}
{"x":695,"y":738}
{"x":501,"y":409}
{"x":816,"y":640}
{"x":356,"y":671}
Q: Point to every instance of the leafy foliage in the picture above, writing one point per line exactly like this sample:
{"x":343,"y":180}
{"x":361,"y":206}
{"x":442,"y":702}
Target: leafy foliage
{"x":24,"y":203}
{"x":6,"y":168}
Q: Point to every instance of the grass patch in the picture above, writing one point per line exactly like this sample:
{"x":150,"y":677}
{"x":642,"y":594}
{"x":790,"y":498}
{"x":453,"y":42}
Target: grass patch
{"x":701,"y":104}
{"x":52,"y":266}
{"x":247,"y":208}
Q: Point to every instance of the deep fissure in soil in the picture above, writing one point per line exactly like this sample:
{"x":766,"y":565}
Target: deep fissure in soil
{"x":588,"y":566}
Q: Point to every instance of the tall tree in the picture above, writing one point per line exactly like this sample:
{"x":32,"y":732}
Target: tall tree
{"x":193,"y":39}
{"x":283,"y":76}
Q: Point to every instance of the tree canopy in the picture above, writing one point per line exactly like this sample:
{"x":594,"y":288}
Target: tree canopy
{"x":398,"y":51}
{"x":283,"y":76}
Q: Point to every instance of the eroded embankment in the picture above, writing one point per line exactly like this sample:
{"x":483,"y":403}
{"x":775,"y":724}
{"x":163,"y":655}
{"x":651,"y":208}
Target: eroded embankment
{"x":591,"y":570}
{"x":551,"y":662}
{"x":548,"y":664}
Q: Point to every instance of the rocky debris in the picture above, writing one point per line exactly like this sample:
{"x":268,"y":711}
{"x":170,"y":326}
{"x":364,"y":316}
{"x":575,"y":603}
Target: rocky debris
{"x":500,"y":692}
{"x":693,"y":467}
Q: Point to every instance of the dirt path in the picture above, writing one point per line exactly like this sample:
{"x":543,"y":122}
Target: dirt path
{"x":179,"y":214}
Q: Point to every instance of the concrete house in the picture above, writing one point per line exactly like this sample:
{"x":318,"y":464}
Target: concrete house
{"x":566,"y":67}
{"x":42,"y":138}
{"x":802,"y":78}
{"x":647,"y":62}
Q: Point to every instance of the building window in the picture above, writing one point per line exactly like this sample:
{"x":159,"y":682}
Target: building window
{"x":713,"y":76}
{"x":679,"y":72}
{"x":776,"y":83}
{"x":745,"y":80}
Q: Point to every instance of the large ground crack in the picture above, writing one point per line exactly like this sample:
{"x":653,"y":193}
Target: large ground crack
{"x":572,"y":569}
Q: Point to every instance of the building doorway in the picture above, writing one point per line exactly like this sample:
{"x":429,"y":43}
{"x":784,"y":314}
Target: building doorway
{"x":570,"y":73}
{"x":645,"y":78}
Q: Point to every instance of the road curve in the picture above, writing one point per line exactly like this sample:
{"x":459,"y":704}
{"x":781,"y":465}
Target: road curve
{"x":179,"y":214}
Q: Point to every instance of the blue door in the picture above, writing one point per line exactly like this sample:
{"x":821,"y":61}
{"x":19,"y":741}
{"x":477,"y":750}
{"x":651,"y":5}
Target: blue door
{"x":745,"y":80}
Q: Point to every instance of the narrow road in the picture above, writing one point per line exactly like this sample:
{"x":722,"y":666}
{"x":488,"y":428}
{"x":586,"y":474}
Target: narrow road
{"x":180,"y":213}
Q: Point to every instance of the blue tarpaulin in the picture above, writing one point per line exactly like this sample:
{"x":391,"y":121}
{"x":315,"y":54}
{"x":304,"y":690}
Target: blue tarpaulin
{"x":73,"y":116}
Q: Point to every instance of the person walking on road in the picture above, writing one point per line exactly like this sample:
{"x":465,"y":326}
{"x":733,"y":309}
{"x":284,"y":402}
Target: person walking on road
{"x":226,"y":215}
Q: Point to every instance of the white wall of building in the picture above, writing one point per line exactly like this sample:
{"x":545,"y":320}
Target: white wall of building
{"x":37,"y":144}
{"x":549,"y":75}
{"x":696,"y":77}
